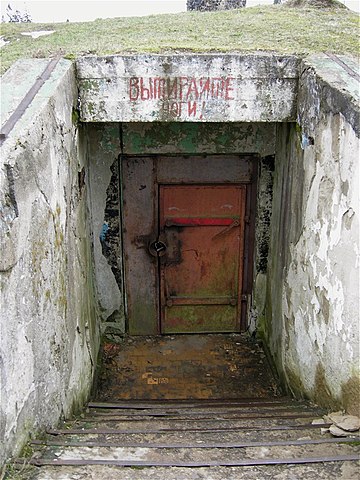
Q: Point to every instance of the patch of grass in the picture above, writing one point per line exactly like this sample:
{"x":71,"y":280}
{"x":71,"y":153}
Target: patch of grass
{"x":20,"y":472}
{"x":27,"y":451}
{"x":23,"y":470}
{"x":355,"y":443}
{"x":302,"y":30}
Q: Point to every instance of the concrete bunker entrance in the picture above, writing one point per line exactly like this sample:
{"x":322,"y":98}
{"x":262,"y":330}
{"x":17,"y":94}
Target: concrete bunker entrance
{"x":143,"y":163}
{"x":214,"y":221}
{"x":185,"y":120}
{"x":64,"y":191}
{"x":199,"y":106}
{"x":213,"y":189}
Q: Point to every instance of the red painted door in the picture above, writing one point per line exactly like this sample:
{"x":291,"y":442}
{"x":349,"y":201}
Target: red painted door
{"x":201,"y":269}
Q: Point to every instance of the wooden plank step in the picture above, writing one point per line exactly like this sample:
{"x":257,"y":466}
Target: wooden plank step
{"x":181,"y":404}
{"x":200,"y":418}
{"x":112,"y":431}
{"x":265,"y":443}
{"x":206,"y":463}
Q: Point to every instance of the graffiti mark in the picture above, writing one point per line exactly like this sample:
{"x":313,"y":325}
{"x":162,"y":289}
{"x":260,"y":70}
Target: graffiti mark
{"x":104,"y":230}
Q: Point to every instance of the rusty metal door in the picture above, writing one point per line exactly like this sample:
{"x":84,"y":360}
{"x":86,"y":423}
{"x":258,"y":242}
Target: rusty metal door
{"x":202,"y":227}
{"x":188,"y":230}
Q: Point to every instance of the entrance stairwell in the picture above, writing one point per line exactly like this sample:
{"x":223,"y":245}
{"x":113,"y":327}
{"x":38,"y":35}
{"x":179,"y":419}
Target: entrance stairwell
{"x":191,"y":407}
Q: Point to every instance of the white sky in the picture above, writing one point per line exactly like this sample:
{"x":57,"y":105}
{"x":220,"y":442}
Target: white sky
{"x":49,"y":11}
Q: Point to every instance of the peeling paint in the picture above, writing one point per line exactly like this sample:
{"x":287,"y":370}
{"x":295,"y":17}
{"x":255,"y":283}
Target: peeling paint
{"x":320,"y":302}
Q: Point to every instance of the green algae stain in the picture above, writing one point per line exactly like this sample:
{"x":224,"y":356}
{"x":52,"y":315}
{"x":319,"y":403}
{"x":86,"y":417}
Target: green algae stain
{"x":350,"y":393}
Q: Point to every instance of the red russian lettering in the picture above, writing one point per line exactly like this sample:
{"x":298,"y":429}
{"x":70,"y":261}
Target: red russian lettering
{"x":192,"y":89}
{"x":144,"y":91}
{"x":192,"y":109}
{"x":205,"y":86}
{"x":229,"y":88}
{"x":165,"y":107}
{"x":175,"y":109}
{"x":156,"y":87}
{"x":134,"y":88}
{"x":217,"y":86}
{"x":202,"y":110}
{"x":160,"y":87}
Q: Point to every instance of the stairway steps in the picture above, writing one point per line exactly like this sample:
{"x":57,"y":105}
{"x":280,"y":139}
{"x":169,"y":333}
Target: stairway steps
{"x":193,"y":436}
{"x":192,"y":464}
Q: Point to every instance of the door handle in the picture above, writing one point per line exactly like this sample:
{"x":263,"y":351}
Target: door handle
{"x":157,"y":248}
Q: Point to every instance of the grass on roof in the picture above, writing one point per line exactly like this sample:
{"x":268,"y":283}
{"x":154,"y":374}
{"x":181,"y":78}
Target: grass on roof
{"x":279,"y":28}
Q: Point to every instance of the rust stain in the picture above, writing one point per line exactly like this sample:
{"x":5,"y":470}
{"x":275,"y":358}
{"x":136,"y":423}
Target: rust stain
{"x":203,"y":262}
{"x":185,"y":367}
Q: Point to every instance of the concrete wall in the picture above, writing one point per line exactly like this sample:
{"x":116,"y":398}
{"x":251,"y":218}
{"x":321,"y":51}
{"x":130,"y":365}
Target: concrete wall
{"x":106,"y":144}
{"x":312,"y":306}
{"x":49,"y":338}
{"x":188,"y":88}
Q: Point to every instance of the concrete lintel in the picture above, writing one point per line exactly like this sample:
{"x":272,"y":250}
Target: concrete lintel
{"x":188,"y":88}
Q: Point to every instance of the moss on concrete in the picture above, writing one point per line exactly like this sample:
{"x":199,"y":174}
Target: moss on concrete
{"x":350,"y":393}
{"x":294,"y":382}
{"x":197,"y":138}
{"x":322,"y":393}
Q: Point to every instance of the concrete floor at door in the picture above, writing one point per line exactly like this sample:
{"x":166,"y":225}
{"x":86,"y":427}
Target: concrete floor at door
{"x":212,"y":366}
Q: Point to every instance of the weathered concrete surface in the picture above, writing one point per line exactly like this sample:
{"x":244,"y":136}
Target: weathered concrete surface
{"x":329,"y":84}
{"x":306,"y":292}
{"x":196,"y":138}
{"x":188,"y":88}
{"x":312,"y":305}
{"x":49,"y":339}
{"x":103,"y":147}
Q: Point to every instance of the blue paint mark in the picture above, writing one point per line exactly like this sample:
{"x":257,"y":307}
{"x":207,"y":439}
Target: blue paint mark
{"x":103,"y":232}
{"x":306,"y":141}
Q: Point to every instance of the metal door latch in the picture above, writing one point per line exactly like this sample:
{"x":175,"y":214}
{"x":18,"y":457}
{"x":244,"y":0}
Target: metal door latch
{"x":235,"y":223}
{"x":157,"y":248}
